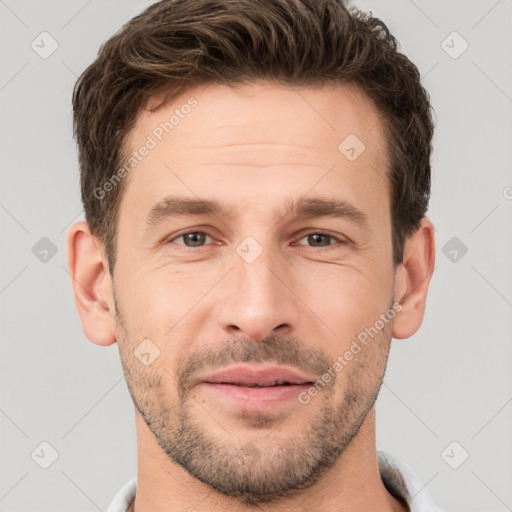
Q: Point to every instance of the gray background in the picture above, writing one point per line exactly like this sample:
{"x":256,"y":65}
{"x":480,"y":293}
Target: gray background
{"x":452,"y":381}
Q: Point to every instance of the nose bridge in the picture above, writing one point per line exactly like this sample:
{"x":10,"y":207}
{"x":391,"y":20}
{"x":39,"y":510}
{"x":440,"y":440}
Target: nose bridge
{"x":256,"y":301}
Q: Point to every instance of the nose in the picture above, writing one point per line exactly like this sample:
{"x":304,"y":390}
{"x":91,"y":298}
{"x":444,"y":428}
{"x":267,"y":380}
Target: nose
{"x":258,"y":298}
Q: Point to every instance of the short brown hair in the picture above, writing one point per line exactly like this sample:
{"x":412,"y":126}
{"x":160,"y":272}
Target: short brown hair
{"x":177,"y":44}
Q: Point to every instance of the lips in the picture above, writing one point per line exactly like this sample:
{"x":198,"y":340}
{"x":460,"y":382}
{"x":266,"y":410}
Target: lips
{"x":257,"y":376}
{"x":262,"y":388}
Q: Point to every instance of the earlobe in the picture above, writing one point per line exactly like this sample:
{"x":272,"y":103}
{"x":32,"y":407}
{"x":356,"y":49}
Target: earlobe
{"x":413,"y":279}
{"x":91,"y":283}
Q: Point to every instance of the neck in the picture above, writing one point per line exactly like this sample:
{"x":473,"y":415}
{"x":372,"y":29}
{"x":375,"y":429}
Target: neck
{"x":352,"y":484}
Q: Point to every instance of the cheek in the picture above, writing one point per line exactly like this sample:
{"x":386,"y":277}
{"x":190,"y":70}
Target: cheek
{"x":360,"y":367}
{"x":346,"y":298}
{"x":162,"y":303}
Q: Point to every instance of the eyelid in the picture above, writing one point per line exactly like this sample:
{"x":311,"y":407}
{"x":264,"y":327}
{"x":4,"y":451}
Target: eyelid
{"x":340,"y":240}
{"x":173,"y":237}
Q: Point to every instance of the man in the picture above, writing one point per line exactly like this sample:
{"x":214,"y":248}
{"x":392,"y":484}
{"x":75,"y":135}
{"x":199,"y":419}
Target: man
{"x":255,"y":176}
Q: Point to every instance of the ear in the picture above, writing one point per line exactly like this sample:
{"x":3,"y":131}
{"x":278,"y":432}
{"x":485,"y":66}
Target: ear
{"x":92,"y":285}
{"x":412,"y":280}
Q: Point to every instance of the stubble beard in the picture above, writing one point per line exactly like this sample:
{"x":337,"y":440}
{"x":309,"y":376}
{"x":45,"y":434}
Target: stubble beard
{"x":256,"y":472}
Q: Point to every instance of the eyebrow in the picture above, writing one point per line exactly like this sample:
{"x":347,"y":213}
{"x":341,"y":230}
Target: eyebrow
{"x":315,"y":207}
{"x":175,"y":206}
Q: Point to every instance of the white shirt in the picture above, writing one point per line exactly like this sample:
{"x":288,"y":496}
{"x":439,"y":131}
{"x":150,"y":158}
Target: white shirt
{"x":397,"y":476}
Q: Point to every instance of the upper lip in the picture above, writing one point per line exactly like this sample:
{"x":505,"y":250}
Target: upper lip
{"x":260,"y":375}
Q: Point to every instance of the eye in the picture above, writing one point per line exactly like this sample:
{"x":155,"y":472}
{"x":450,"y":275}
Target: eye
{"x":320,"y":240}
{"x":191,"y":239}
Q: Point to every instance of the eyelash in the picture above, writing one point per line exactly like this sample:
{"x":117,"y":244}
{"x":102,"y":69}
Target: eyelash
{"x":338,"y":240}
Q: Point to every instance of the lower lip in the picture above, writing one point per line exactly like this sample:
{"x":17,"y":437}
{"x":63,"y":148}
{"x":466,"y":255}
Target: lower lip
{"x":247,"y":396}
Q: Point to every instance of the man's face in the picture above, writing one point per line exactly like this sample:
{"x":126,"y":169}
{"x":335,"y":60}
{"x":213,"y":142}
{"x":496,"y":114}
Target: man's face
{"x":248,"y":306}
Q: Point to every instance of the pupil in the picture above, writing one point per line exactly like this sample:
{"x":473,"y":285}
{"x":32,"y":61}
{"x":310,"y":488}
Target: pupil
{"x":196,"y":239}
{"x":317,"y":238}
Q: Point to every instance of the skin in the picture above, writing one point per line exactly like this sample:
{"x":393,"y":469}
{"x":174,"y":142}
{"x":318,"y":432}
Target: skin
{"x":254,"y":148}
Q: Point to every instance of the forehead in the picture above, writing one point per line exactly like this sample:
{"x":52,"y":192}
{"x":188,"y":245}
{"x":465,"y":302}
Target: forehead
{"x":262,"y":111}
{"x":256,"y":138}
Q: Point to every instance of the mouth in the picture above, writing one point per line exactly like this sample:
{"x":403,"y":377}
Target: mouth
{"x":257,"y":385}
{"x":257,"y":376}
{"x":271,"y":384}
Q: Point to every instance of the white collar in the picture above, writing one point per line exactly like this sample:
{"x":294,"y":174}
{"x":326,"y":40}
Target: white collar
{"x":401,"y":481}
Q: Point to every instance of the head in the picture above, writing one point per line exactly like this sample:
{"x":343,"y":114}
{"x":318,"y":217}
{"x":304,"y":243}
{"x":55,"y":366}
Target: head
{"x":255,"y":177}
